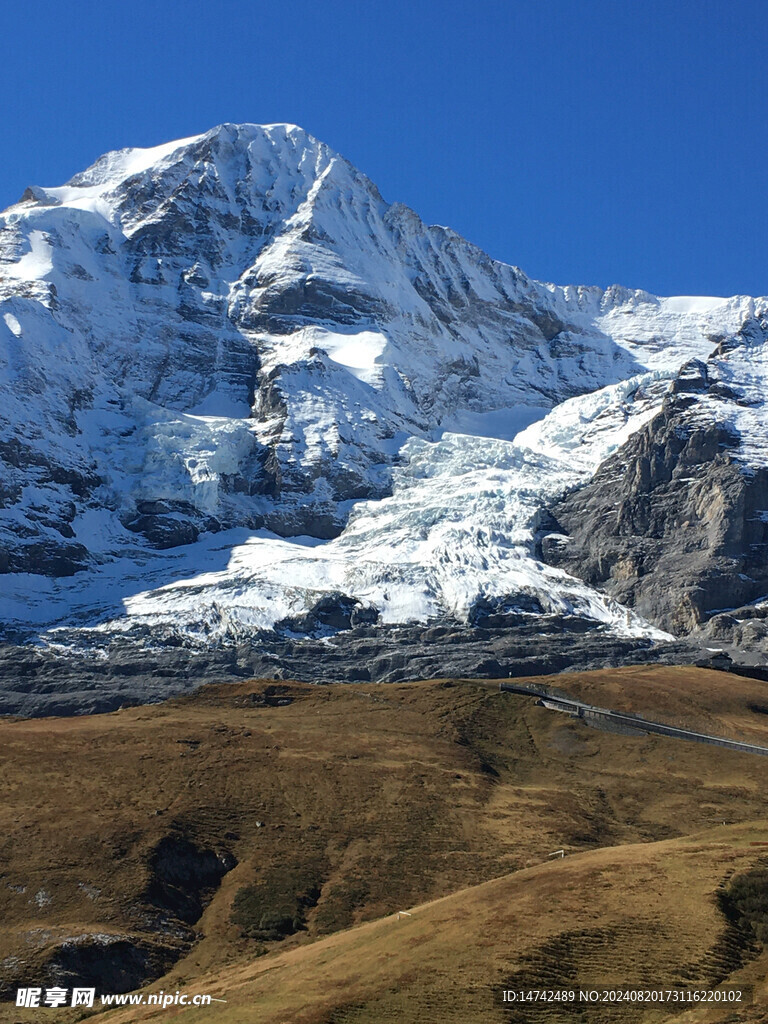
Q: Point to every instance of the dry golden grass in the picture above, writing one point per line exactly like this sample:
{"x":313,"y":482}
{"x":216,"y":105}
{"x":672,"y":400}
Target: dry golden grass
{"x":425,"y":791}
{"x":637,"y":914}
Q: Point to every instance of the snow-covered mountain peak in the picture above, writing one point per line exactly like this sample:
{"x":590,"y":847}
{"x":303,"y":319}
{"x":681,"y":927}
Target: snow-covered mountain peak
{"x":116,"y":166}
{"x":258,"y":175}
{"x":235,"y":332}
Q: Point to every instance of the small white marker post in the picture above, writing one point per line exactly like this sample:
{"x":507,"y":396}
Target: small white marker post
{"x":557,"y":853}
{"x":403,"y":913}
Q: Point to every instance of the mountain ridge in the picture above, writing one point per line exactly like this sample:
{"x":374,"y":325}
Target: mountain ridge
{"x":235,"y":332}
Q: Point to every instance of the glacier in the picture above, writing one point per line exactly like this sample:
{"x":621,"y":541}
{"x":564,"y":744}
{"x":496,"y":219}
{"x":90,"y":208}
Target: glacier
{"x":235,"y":381}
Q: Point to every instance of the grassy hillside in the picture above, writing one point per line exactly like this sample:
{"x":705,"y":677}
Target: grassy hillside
{"x":254,"y":841}
{"x":636,"y":914}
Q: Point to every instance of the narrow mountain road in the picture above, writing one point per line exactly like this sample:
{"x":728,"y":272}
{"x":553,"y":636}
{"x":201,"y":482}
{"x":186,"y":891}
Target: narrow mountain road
{"x":624,"y":720}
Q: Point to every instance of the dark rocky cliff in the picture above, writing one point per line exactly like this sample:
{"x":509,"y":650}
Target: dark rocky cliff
{"x":673,"y":524}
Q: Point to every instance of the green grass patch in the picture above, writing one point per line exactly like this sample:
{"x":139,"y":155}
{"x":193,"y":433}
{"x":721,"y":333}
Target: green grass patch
{"x":275,"y":906}
{"x":745,"y":899}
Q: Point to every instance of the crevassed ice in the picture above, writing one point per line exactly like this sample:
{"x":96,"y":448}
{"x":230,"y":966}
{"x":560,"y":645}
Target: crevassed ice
{"x":459,"y":525}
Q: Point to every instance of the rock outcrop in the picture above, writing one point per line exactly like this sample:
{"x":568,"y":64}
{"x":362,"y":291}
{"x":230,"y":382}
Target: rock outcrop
{"x":675,"y":523}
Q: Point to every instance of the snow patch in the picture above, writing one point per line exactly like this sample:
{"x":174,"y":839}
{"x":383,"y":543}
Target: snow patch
{"x":37,"y":262}
{"x":358,"y":352}
{"x":12,"y":323}
{"x":691,"y":303}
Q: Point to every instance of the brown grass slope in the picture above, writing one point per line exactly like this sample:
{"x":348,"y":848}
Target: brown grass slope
{"x":639,"y":915}
{"x":367,"y":800}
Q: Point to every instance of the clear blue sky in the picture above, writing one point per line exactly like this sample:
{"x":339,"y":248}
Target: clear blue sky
{"x":587,"y":141}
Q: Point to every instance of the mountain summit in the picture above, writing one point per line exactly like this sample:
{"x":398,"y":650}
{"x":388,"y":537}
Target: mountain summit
{"x":243,"y":395}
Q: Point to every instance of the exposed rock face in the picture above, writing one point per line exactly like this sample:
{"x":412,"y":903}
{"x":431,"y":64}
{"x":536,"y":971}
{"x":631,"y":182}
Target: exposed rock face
{"x":167,"y":524}
{"x":742,"y":631}
{"x":106,"y":961}
{"x":110,"y":963}
{"x":183,"y":877}
{"x":674,"y":524}
{"x":38,"y":682}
